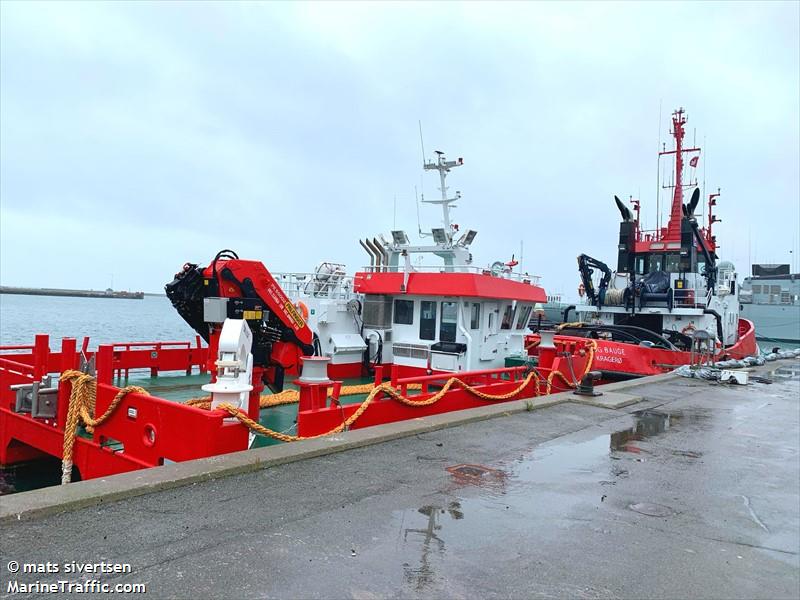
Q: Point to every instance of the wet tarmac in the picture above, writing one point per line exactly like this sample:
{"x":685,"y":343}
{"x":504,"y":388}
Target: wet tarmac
{"x":694,"y":492}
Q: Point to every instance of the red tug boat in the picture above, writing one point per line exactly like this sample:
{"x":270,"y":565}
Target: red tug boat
{"x":669,"y":302}
{"x":426,"y":339}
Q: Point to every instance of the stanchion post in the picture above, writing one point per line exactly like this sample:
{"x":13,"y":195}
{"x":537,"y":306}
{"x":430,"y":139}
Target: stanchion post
{"x":105,"y":363}
{"x":41,"y":355}
{"x":69,"y":360}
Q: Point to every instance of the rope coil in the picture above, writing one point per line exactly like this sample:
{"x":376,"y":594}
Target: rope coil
{"x":82,"y":401}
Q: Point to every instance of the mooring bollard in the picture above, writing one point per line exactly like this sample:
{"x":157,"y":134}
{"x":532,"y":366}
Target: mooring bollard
{"x":586,"y":386}
{"x":314,"y":382}
{"x":547,"y":349}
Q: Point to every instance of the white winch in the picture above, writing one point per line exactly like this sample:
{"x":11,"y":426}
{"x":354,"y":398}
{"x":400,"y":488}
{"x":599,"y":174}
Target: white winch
{"x":234,"y":366}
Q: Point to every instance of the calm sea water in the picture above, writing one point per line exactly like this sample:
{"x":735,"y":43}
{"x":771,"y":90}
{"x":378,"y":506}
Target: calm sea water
{"x":104,"y":320}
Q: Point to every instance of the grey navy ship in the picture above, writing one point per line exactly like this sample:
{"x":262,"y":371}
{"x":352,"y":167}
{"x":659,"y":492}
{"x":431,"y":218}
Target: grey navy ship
{"x":770,"y":298}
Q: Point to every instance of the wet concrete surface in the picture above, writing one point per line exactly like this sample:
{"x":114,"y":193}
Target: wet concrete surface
{"x":693,"y":492}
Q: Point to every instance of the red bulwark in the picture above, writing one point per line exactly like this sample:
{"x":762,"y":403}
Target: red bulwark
{"x":471,"y":285}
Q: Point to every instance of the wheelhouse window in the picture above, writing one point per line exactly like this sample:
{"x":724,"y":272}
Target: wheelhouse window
{"x":427,"y":320}
{"x":673,"y":263}
{"x":404,"y":312}
{"x":524,"y":317}
{"x":508,"y":317}
{"x":655,"y":263}
{"x":447,"y":328}
{"x":757,"y":289}
{"x":475,"y":316}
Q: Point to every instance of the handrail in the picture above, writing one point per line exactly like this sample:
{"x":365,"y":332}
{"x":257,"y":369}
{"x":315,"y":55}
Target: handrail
{"x":298,"y":274}
{"x":132,"y":345}
{"x":7,"y":363}
{"x":468,"y":374}
{"x":522,"y":277}
{"x":335,"y":285}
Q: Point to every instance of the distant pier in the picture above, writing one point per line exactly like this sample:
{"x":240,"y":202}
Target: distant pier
{"x":109,"y":293}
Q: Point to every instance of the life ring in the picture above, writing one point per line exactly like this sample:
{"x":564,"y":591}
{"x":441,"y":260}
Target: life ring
{"x":300,"y":305}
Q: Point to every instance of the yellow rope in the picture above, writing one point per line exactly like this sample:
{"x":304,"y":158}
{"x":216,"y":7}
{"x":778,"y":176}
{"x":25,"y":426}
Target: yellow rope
{"x":84,"y":390}
{"x":572,"y":325}
{"x":395,"y":394}
{"x":82,"y":401}
{"x":293,"y":396}
{"x":383,"y":388}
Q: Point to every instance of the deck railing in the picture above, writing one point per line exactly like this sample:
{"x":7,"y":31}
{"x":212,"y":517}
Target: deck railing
{"x":521,"y":277}
{"x":333,"y":286}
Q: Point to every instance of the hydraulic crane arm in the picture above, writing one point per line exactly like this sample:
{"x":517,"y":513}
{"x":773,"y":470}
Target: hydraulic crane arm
{"x":230,"y":287}
{"x":586,"y":266}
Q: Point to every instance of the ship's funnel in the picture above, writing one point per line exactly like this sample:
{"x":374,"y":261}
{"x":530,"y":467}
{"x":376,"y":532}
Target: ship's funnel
{"x":692,"y":205}
{"x":368,"y":251}
{"x":627,"y":216}
{"x":378,"y":254}
{"x":381,"y":252}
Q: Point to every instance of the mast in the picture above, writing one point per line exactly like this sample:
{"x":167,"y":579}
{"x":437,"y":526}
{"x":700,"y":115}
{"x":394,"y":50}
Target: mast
{"x":678,"y":121}
{"x":676,"y":213}
{"x":444,"y":166}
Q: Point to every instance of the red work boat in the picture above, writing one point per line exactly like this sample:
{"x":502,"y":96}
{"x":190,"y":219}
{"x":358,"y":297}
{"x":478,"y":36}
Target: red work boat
{"x":432,"y":339}
{"x":670,"y":302}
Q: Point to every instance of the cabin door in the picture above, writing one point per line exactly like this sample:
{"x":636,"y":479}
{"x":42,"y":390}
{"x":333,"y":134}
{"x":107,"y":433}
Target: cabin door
{"x":489,"y":328}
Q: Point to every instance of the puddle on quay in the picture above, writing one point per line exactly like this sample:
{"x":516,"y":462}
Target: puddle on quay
{"x":785,"y":373}
{"x":431,"y":546}
{"x":543,"y":491}
{"x":648,"y":423}
{"x":483,"y":504}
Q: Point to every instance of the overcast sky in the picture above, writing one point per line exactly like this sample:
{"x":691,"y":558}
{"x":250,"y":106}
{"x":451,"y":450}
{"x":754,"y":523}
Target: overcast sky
{"x":137,"y":136}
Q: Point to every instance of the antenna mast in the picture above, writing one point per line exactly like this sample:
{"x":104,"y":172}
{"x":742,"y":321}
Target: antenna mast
{"x":419,"y":223}
{"x":658,"y":178}
{"x":421,"y":143}
{"x":678,"y":132}
{"x":443,"y":166}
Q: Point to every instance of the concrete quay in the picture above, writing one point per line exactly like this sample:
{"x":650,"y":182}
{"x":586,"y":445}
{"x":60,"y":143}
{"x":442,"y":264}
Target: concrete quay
{"x":661,"y":488}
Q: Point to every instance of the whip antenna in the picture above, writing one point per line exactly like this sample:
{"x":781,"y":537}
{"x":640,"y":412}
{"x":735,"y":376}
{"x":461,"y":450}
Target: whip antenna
{"x":658,"y":168}
{"x":421,"y":143}
{"x":419,"y":224}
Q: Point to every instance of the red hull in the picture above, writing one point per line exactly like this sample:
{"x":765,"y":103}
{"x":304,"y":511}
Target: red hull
{"x":153,"y":430}
{"x":631,"y":360}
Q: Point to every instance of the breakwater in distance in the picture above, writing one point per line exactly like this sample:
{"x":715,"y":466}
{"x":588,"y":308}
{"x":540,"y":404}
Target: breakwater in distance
{"x":109,"y":293}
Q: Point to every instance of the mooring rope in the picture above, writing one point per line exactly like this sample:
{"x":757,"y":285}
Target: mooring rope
{"x":82,"y":400}
{"x":385,"y":388}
